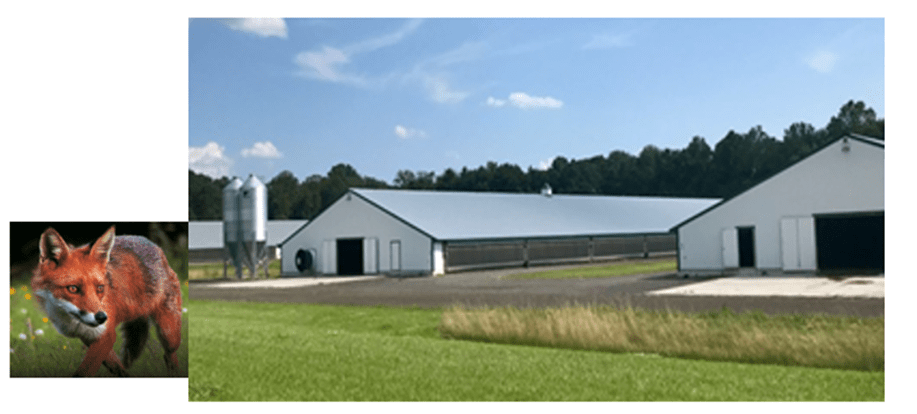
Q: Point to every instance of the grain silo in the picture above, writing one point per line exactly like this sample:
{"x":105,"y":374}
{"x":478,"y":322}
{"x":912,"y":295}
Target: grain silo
{"x":245,"y":225}
{"x":231,"y":229}
{"x":253,"y":224}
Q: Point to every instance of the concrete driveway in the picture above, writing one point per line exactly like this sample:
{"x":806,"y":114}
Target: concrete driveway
{"x":797,"y":286}
{"x":294,"y":282}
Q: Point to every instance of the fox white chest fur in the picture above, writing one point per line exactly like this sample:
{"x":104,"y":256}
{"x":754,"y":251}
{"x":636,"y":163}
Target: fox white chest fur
{"x":69,"y":320}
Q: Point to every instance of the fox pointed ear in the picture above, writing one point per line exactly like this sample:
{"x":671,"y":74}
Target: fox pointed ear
{"x":52,"y":246}
{"x":102,"y":247}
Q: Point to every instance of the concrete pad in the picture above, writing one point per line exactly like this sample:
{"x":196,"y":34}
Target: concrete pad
{"x":811,"y":286}
{"x":292,"y":282}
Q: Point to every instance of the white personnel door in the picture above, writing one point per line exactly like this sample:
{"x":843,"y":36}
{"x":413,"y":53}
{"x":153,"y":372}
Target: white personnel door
{"x":730,"y":248}
{"x":370,"y":255}
{"x":329,"y":257}
{"x":395,"y":255}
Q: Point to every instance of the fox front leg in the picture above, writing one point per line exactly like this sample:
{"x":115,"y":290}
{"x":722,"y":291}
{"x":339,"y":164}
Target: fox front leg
{"x":113,"y":363}
{"x":101,"y":351}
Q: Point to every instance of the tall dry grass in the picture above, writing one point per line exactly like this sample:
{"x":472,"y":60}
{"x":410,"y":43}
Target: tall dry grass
{"x":813,"y":341}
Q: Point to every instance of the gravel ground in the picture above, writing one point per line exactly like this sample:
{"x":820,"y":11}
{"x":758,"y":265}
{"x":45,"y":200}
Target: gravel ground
{"x":489,"y":288}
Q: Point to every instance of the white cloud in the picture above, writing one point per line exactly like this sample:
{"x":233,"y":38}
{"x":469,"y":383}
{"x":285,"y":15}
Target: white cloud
{"x":606,"y":41}
{"x":822,"y":61}
{"x":262,"y":150}
{"x":467,"y":52}
{"x":331,"y":64}
{"x":209,"y":160}
{"x":526,"y":101}
{"x":327,"y":65}
{"x":384,"y":40}
{"x":408,"y":133}
{"x":494,"y":102}
{"x":264,"y":27}
{"x":546,"y":164}
{"x":432,"y":73}
{"x":440,"y":91}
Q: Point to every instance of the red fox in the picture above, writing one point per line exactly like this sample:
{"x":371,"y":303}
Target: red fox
{"x":88,"y":291}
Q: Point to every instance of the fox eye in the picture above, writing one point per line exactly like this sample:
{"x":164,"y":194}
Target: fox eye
{"x":100,"y":289}
{"x":73,"y":289}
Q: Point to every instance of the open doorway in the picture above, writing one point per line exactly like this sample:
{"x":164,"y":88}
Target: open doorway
{"x":350,"y":256}
{"x":746,"y":246}
{"x":850,"y":243}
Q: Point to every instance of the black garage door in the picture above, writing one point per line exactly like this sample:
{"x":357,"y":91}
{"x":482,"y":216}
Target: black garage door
{"x":350,"y":256}
{"x":850,"y":243}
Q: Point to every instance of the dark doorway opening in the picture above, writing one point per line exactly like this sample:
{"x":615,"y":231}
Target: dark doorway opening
{"x":350,"y":256}
{"x":850,"y":243}
{"x":746,"y":246}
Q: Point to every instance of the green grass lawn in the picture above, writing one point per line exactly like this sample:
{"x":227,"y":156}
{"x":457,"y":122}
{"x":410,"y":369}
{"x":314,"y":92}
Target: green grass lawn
{"x":624,"y":268}
{"x":298,"y":352}
{"x":46,"y":353}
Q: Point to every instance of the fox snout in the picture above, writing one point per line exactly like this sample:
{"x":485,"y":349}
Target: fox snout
{"x":91,"y":319}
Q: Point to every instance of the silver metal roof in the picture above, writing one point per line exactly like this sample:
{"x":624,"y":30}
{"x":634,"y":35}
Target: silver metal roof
{"x":209,"y":234}
{"x":205,"y":235}
{"x":475,"y":216}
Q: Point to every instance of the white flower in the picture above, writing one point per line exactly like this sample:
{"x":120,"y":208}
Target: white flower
{"x":184,"y":310}
{"x":39,"y":332}
{"x":23,"y":337}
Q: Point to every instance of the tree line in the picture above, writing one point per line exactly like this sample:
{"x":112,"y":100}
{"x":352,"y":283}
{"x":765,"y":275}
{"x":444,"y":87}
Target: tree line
{"x":737,"y":162}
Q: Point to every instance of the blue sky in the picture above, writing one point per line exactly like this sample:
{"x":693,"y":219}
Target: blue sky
{"x":267,"y":95}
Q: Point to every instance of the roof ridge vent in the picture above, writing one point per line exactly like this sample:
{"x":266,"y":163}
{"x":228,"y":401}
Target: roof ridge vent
{"x":546,"y":190}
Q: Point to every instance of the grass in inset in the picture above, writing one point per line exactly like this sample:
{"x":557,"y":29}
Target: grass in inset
{"x":814,"y":341}
{"x":38,"y":350}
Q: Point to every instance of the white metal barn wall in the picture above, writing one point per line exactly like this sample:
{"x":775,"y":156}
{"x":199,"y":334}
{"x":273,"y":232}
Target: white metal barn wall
{"x":781,"y":210}
{"x":351,"y":217}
